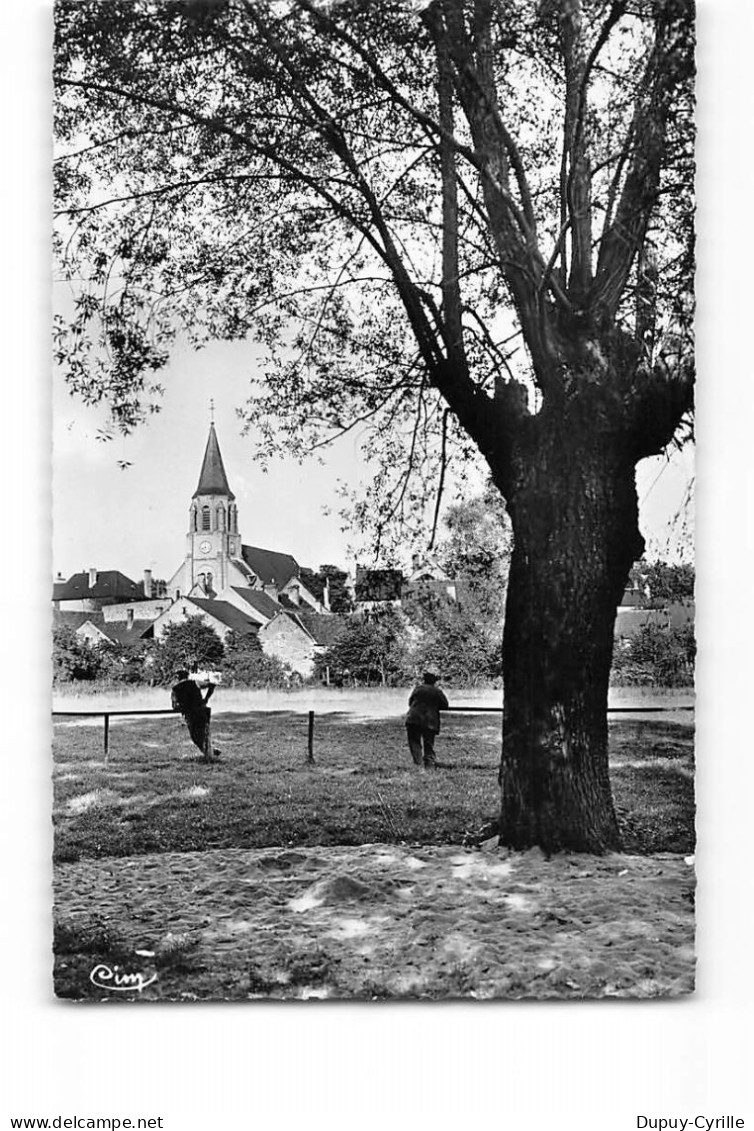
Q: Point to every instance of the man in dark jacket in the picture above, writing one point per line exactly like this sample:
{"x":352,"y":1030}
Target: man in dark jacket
{"x":423,"y":720}
{"x":188,"y":699}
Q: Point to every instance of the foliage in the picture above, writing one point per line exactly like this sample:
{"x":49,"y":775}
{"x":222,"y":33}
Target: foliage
{"x":476,"y":551}
{"x":369,"y":650}
{"x":190,"y":644}
{"x":245,"y":664}
{"x":659,"y":655}
{"x":663,"y":583}
{"x":461,"y":635}
{"x":73,"y":657}
{"x":454,"y":642}
{"x":340,"y":597}
{"x":126,"y":664}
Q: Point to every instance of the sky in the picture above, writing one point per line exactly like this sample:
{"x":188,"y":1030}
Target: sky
{"x":133,"y":519}
{"x":105,"y":517}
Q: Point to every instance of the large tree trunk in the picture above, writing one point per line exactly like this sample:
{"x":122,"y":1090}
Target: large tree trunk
{"x":572,"y":499}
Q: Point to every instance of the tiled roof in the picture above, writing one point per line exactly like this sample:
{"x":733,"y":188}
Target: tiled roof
{"x":258,"y":600}
{"x":119,"y":632}
{"x":227,"y":614}
{"x":110,"y":585}
{"x":61,"y":619}
{"x":378,"y":584}
{"x":269,"y":565}
{"x":324,"y":627}
{"x":212,"y":478}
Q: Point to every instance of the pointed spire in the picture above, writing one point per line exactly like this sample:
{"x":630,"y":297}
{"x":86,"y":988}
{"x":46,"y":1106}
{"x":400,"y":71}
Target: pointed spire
{"x":212,"y":478}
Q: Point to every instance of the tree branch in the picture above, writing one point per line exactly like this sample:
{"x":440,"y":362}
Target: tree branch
{"x":670,"y":65}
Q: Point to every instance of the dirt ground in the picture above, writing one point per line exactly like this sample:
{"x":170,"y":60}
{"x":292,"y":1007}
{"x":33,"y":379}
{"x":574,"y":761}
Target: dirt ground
{"x":377,"y":922}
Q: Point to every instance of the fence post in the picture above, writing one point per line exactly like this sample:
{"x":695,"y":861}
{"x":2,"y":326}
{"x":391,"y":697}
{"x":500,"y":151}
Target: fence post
{"x":208,"y":735}
{"x":107,"y":737}
{"x":310,"y":754}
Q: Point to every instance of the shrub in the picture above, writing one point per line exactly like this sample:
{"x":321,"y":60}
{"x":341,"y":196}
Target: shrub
{"x":74,"y":658}
{"x":189,"y":644}
{"x":658,"y":655}
{"x":246,"y":665}
{"x":369,"y":650}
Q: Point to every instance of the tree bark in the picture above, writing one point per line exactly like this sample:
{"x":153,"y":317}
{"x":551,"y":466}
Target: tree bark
{"x":570,"y":488}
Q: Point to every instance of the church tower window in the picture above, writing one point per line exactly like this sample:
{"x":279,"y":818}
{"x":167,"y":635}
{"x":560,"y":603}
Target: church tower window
{"x":220,"y":518}
{"x":206,"y":519}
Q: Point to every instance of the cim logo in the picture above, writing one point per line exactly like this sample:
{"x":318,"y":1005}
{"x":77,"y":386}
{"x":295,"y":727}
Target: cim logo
{"x":106,"y":977}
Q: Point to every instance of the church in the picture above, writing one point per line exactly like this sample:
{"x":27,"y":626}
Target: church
{"x":233,"y":587}
{"x":216,"y":558}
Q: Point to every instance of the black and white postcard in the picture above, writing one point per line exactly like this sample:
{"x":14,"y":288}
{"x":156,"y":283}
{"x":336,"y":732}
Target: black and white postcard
{"x":373,"y":486}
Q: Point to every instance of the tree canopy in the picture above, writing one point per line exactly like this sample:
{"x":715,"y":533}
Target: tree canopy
{"x":191,"y":644}
{"x":408,"y":206}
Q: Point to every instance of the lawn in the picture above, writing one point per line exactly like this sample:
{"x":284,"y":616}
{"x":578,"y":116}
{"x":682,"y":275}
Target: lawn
{"x":155,"y":796}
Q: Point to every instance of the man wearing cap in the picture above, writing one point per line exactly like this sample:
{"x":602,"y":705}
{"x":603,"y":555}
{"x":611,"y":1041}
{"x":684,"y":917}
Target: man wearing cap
{"x":188,"y":699}
{"x":423,"y":720}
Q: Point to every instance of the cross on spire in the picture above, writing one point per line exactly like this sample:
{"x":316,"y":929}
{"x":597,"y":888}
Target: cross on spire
{"x":211,"y":411}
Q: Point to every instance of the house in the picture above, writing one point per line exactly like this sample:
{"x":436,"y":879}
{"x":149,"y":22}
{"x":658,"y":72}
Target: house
{"x":135,"y":610}
{"x":298,"y":638}
{"x":377,"y":587}
{"x":90,"y":590}
{"x":218,"y":614}
{"x":94,"y":627}
{"x":427,"y":576}
{"x":630,"y":619}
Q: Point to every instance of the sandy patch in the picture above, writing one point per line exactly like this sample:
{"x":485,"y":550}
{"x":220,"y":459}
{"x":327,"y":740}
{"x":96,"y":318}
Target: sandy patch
{"x":364,"y":922}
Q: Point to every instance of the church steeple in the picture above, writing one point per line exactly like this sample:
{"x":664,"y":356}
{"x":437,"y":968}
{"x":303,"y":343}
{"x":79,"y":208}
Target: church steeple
{"x":213,"y":539}
{"x":212,"y":478}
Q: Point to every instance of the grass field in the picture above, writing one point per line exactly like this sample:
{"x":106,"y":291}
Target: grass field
{"x":155,"y":796}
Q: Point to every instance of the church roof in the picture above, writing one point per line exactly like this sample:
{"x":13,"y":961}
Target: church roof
{"x":212,"y":478}
{"x":258,"y":600}
{"x":270,"y":566}
{"x":227,"y":614}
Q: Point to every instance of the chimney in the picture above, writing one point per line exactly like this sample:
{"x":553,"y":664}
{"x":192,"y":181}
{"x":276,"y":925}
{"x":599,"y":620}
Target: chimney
{"x":147,"y":583}
{"x":416,"y":560}
{"x":271,"y":589}
{"x":326,"y":595}
{"x":92,"y":578}
{"x":129,"y":619}
{"x":295,"y":594}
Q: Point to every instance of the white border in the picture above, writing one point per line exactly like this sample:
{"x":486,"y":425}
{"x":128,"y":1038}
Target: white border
{"x":592,"y":1066}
